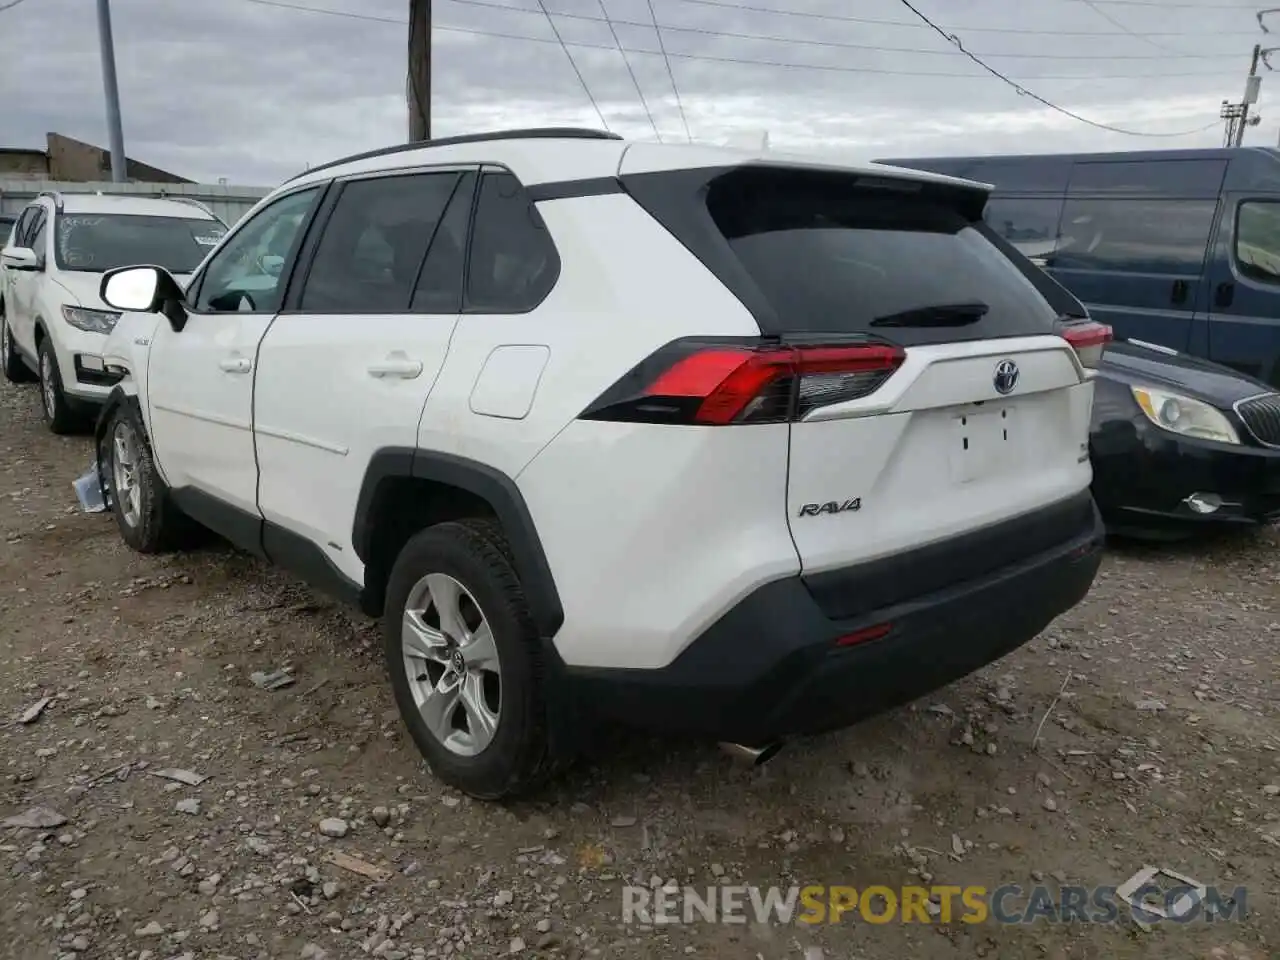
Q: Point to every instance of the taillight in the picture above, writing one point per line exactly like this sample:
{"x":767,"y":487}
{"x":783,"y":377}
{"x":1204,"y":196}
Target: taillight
{"x":1089,"y":340}
{"x":716,"y":384}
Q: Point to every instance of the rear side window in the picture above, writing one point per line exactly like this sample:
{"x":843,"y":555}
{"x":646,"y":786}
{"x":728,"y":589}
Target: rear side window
{"x":374,"y":243}
{"x":833,"y":257}
{"x":439,"y":287}
{"x":513,"y":263}
{"x":1135,"y":236}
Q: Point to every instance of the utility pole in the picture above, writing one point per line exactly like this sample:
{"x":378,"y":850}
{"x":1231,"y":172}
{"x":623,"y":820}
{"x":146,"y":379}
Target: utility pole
{"x":111,"y":91}
{"x":419,"y":85}
{"x":1251,"y":86}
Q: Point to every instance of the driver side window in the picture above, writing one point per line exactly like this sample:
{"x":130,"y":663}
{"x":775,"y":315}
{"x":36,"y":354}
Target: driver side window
{"x":247,"y":274}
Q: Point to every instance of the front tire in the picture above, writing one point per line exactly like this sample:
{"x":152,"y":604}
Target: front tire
{"x":59,"y":415}
{"x":15,"y":371}
{"x":148,"y":520}
{"x":465,"y":660}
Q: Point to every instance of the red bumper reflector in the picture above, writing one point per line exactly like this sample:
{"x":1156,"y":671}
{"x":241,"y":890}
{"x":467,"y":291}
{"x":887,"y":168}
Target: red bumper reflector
{"x":865,"y":635}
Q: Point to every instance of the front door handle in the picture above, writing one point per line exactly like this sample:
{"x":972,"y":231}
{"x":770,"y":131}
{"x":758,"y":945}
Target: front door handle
{"x":1224,"y":294}
{"x":396,"y":365}
{"x":236,"y":364}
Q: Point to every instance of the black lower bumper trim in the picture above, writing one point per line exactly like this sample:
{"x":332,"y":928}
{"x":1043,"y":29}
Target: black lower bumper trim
{"x":770,"y":667}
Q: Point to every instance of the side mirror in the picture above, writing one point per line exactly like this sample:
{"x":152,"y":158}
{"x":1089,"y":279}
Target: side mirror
{"x":145,"y":289}
{"x":21,"y":258}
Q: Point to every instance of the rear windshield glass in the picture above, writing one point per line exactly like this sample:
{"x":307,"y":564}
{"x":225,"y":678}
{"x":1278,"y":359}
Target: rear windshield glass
{"x":834,"y":257}
{"x":98,"y":242}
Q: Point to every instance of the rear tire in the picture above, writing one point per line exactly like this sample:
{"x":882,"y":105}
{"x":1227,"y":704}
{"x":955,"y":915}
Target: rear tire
{"x":465,"y":661}
{"x":147,"y":518}
{"x":15,"y":370}
{"x":59,"y":415}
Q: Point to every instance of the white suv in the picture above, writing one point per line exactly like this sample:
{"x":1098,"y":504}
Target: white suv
{"x":728,"y":445}
{"x":52,"y":323}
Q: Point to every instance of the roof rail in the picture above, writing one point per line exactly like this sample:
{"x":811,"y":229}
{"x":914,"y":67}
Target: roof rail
{"x":534,"y":133}
{"x":55,"y":196}
{"x":192,"y":202}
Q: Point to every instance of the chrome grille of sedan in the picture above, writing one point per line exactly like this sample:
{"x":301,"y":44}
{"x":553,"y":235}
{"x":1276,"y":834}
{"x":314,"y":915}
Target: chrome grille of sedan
{"x":1262,"y":416}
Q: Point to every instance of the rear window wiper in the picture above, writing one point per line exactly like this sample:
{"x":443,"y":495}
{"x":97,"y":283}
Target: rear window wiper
{"x":937,"y":315}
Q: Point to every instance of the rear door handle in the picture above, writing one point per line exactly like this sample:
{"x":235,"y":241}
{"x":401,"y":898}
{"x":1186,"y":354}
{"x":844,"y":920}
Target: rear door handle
{"x":1180,"y":288}
{"x":236,"y":364}
{"x":396,"y":365}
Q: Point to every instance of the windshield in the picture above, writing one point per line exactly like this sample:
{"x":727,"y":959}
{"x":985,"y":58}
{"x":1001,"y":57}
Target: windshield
{"x":97,"y":242}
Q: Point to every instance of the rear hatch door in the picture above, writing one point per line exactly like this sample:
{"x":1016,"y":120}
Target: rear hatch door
{"x":982,"y":417}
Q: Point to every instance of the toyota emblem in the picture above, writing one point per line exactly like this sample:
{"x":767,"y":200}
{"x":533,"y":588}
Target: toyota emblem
{"x":1006,"y":377}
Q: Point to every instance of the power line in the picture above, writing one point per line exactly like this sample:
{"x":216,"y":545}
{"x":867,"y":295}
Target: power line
{"x":825,"y":68}
{"x":283,"y":5}
{"x":10,"y":5}
{"x":639,"y":93}
{"x":1167,"y":5}
{"x":951,"y":38}
{"x":913,"y":25}
{"x":747,"y":61}
{"x":662,"y":47}
{"x":955,"y":41}
{"x":812,"y":15}
{"x":1142,"y":38}
{"x":839,"y":44}
{"x":573,"y":63}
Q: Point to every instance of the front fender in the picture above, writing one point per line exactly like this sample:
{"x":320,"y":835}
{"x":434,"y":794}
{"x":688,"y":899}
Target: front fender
{"x":126,"y":348}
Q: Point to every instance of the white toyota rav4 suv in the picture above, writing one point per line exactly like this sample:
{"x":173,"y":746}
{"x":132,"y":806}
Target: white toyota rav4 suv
{"x":52,"y":323}
{"x":725,"y":445}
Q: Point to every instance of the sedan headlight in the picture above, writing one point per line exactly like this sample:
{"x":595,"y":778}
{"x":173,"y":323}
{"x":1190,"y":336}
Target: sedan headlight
{"x":1183,"y":415}
{"x":91,"y":321}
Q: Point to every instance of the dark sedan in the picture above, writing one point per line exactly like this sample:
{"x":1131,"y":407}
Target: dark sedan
{"x":1179,"y":444}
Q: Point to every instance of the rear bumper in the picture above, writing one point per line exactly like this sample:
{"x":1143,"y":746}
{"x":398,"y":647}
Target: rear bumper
{"x":770,"y":667}
{"x":1142,"y":477}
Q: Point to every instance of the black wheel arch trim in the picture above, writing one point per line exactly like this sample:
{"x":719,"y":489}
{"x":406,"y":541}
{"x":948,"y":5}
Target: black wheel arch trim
{"x":492,"y":486}
{"x":117,"y":398}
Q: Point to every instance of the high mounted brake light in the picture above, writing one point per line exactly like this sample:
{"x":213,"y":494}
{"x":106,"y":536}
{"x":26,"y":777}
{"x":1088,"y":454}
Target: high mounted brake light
{"x":1088,"y":339}
{"x":719,"y":384}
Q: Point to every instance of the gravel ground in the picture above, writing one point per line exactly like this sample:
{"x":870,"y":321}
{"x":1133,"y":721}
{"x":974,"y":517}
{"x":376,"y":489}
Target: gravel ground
{"x":1161,"y":750}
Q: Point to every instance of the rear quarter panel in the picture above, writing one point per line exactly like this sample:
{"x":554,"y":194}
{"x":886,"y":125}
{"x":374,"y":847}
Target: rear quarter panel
{"x":626,"y":287}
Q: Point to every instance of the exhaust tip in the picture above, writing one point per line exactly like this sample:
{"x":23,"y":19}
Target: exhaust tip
{"x":752,"y":756}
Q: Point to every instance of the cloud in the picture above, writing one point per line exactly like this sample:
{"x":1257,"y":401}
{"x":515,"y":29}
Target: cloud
{"x":254,"y":92}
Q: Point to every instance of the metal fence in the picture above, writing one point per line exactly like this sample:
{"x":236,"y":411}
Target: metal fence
{"x":227,"y":202}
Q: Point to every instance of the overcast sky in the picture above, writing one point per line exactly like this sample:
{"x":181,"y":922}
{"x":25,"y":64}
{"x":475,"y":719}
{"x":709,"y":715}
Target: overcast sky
{"x":253,"y":92}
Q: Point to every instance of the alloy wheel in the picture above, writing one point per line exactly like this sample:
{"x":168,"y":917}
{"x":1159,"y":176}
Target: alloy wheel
{"x":48,"y":392}
{"x":124,"y":472}
{"x":452,"y":664}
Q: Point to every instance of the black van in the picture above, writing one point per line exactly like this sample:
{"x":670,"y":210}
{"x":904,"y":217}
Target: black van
{"x":1179,"y":248}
